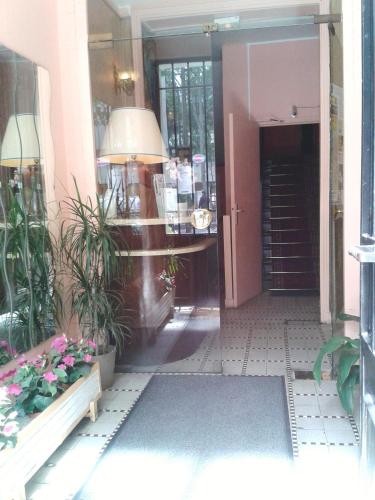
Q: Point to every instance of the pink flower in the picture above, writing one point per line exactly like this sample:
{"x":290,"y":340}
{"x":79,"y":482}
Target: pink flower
{"x":60,"y":344}
{"x":91,"y":344}
{"x":10,"y":428}
{"x":50,"y":377}
{"x":61,"y":366}
{"x":14,"y":389}
{"x":69,"y":360}
{"x":37,"y":362}
{"x":21,"y":361}
{"x":87,"y":358}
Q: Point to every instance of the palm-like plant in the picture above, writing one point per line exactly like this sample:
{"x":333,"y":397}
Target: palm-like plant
{"x":89,"y":249}
{"x":29,"y":272}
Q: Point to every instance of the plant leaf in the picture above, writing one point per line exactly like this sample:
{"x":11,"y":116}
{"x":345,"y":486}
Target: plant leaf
{"x":348,"y":358}
{"x":42,"y":402}
{"x":346,"y":391}
{"x":332,"y":345}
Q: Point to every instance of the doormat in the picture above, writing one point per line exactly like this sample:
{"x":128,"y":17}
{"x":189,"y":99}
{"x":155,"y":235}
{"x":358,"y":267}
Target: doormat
{"x":193,"y":437}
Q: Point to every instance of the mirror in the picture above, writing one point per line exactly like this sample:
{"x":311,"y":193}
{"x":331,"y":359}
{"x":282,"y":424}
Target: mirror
{"x":28,"y":294}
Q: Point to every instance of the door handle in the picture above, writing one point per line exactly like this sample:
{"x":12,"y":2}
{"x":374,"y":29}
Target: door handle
{"x":237,"y":211}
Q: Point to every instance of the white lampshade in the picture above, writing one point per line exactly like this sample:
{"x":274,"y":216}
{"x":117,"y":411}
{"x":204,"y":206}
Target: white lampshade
{"x":20,"y":146}
{"x":133,"y":134}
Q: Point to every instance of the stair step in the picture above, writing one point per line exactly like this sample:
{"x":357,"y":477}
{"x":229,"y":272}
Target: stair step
{"x":290,"y":243}
{"x":289,"y":217}
{"x":291,"y":257}
{"x":281,"y":185}
{"x":292,"y":289}
{"x":283,"y":230}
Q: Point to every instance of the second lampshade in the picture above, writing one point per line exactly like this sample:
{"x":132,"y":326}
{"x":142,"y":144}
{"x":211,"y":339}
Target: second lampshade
{"x":133,"y":134}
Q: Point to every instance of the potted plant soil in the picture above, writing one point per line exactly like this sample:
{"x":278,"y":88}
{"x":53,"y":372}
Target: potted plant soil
{"x":89,"y":252}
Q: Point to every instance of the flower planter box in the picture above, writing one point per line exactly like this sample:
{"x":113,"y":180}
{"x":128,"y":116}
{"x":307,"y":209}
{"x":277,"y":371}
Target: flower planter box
{"x":45,"y":433}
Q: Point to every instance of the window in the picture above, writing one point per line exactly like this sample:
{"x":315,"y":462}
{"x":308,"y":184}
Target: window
{"x":187,"y":125}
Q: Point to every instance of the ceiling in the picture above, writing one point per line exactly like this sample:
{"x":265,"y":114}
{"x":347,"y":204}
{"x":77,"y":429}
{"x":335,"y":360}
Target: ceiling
{"x":167,"y":17}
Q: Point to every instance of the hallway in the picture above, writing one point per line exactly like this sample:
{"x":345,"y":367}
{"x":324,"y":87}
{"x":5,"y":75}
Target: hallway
{"x":267,"y":336}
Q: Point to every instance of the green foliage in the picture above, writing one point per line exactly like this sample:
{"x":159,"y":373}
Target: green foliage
{"x":89,"y":248}
{"x":36,"y":393}
{"x":348,"y":354}
{"x":28,"y":269}
{"x":71,"y":359}
{"x":37,"y":383}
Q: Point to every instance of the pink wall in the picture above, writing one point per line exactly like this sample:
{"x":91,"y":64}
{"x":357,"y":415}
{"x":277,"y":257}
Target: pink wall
{"x":53,"y":34}
{"x":284,"y":74}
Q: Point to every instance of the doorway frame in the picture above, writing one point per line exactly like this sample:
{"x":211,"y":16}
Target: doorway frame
{"x":351,"y":107}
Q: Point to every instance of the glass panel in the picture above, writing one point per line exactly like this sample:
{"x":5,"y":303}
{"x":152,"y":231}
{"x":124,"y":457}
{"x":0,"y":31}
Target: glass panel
{"x":198,"y":122}
{"x":180,"y":74}
{"x":29,"y":292}
{"x":167,"y":121}
{"x":182,"y":110}
{"x":165,"y":75}
{"x":196,"y":73}
{"x":208,"y":72}
{"x":336,"y":175}
{"x":171,"y":285}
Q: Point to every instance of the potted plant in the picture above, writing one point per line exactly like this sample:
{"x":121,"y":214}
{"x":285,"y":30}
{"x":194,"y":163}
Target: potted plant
{"x":41,"y":401}
{"x":348,"y":353}
{"x":32,"y":305}
{"x":89,"y":252}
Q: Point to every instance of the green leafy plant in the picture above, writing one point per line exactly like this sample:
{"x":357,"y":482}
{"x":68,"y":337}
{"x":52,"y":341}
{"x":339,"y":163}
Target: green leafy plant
{"x":36,"y":383}
{"x":347,"y":351}
{"x":7,"y":353}
{"x":89,"y":251}
{"x":172,"y":266}
{"x":35,"y":386}
{"x":9,"y":425}
{"x":29,"y":272}
{"x":72,"y":356}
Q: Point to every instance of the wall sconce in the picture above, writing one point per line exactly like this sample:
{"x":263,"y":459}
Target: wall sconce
{"x":124,"y":81}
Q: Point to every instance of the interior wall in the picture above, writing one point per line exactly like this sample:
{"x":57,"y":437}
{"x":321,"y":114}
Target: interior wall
{"x":60,"y":46}
{"x":54,"y":36}
{"x":182,"y":47}
{"x":281,"y":75}
{"x":103,"y":20}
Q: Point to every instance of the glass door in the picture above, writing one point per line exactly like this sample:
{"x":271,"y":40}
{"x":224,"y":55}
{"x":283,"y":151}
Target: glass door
{"x":162,"y":205}
{"x":336,"y":173}
{"x":366,"y":255}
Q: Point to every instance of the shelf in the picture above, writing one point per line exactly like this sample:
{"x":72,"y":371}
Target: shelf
{"x":195,"y":247}
{"x":157,"y":221}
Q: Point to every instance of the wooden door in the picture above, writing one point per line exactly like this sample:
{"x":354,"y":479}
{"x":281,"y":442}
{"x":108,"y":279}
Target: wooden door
{"x":245,"y":208}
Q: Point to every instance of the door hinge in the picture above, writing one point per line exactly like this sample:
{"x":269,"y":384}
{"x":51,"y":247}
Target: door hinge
{"x":210,"y":28}
{"x":327,"y":18}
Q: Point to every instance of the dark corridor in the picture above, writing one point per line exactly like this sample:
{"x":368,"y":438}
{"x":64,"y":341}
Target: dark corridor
{"x":290,"y":197}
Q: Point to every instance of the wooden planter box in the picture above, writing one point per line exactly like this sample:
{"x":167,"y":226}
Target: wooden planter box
{"x":45,"y":433}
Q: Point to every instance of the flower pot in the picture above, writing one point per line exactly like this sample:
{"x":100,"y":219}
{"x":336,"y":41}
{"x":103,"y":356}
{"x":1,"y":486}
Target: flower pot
{"x":107,"y":367}
{"x":39,"y":438}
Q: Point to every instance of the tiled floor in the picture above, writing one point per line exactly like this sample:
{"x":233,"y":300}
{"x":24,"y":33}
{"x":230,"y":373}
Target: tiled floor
{"x":268,"y":336}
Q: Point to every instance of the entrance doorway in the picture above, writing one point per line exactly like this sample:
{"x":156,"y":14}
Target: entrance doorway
{"x":234,"y":108}
{"x":290,"y":208}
